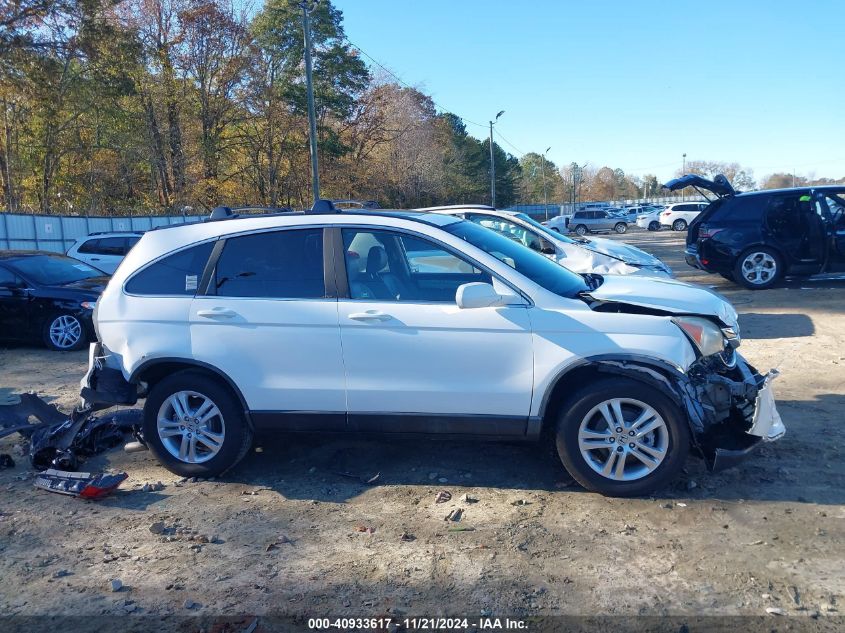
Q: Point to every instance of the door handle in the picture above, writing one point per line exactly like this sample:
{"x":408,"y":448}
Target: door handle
{"x":370,"y":315}
{"x":217,"y":313}
{"x":95,"y":259}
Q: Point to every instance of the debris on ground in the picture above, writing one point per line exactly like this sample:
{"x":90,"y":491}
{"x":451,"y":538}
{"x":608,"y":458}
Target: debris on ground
{"x":6,"y":461}
{"x":775,"y":611}
{"x":157,"y":527}
{"x":84,"y":485}
{"x":443,"y":496}
{"x":454,"y":515}
{"x":520,"y":502}
{"x":465,"y":498}
{"x":364,"y":529}
{"x":115,"y":584}
{"x":407,"y":537}
{"x":282,"y":540}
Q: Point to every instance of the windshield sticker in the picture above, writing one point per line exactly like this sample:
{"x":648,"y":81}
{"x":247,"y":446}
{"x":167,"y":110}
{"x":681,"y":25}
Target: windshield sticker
{"x":190,"y":282}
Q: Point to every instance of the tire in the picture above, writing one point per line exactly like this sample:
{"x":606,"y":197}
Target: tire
{"x":228,"y":430}
{"x":621,"y":228}
{"x":653,"y":226}
{"x":679,"y":225}
{"x":758,"y":268}
{"x":582,"y":415}
{"x":728,"y":276}
{"x":557,"y":230}
{"x":63,"y":332}
{"x":581,"y":230}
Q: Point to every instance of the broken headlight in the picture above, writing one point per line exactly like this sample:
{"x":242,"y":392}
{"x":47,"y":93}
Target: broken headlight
{"x":704,"y":334}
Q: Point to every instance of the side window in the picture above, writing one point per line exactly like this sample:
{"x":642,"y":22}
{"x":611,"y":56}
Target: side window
{"x":91,"y":247}
{"x":176,"y":274}
{"x":112,"y":246}
{"x":836,"y":208}
{"x":783,"y":213}
{"x":274,"y":265}
{"x":392,"y":266}
{"x":508,"y":229}
{"x":131,"y":241}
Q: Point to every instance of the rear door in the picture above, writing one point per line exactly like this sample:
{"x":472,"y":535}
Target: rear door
{"x":268,"y":320}
{"x":414,"y":361}
{"x":833,"y":203}
{"x":793,"y":224}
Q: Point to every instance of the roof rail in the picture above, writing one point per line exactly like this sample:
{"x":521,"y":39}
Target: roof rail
{"x":449,"y":207}
{"x":359,"y":204}
{"x":133,"y":231}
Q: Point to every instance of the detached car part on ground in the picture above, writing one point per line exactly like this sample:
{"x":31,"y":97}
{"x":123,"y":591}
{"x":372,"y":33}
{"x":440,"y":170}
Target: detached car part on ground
{"x":580,"y":255}
{"x":408,"y":323}
{"x":757,"y":238}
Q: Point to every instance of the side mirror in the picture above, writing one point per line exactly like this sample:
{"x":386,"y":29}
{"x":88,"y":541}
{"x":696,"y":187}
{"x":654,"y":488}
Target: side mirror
{"x":482,"y":295}
{"x":547,"y":248}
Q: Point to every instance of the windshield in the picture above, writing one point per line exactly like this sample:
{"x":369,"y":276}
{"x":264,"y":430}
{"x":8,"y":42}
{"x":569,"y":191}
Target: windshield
{"x":546,"y":230}
{"x":53,"y":270}
{"x":538,"y":268}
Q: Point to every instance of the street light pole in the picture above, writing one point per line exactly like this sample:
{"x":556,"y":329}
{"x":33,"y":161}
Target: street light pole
{"x":684,"y":173}
{"x":493,"y":163}
{"x":545,"y":196}
{"x":307,"y":7}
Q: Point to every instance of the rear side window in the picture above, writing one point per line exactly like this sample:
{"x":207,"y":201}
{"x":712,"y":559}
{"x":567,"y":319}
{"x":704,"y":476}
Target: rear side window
{"x":176,"y":274}
{"x":105,"y":246}
{"x":736,"y":209}
{"x":275,"y":265}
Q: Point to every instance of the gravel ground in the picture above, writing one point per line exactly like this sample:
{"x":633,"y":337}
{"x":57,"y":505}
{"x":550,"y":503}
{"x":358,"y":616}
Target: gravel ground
{"x":296,"y":530}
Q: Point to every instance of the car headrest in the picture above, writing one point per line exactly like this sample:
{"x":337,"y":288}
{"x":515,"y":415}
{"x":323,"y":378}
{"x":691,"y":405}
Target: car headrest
{"x":376,"y":260}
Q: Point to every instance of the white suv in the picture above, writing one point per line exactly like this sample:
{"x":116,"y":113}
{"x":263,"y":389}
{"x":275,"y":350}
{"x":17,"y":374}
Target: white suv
{"x":680,"y":215}
{"x":104,"y":251}
{"x":417,"y":323}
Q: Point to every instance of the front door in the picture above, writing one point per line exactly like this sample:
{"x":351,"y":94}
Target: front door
{"x":268,"y":322}
{"x":835,"y":216}
{"x":414,"y":361}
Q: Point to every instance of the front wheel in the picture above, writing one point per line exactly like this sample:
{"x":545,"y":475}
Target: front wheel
{"x":621,"y":227}
{"x":622,"y":438}
{"x":581,"y":230}
{"x":679,"y":225}
{"x":654,"y":226}
{"x":195,"y":425}
{"x":63,"y":332}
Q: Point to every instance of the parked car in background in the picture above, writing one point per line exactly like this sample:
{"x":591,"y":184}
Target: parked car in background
{"x":650,"y":220}
{"x":104,"y":251}
{"x":559,"y":223}
{"x":583,"y":222}
{"x":679,"y":215}
{"x":270,"y":323}
{"x":48,"y":297}
{"x":580,"y":255}
{"x":757,"y":238}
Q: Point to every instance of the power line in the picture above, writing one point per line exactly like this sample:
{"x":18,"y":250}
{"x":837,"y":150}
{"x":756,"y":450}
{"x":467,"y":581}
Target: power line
{"x":402,"y":82}
{"x":499,"y":134}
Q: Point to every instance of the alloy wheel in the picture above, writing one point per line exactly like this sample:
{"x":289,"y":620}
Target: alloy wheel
{"x":759,"y":268}
{"x":623,"y":439}
{"x":65,"y":331}
{"x":191,"y":427}
{"x":581,"y":229}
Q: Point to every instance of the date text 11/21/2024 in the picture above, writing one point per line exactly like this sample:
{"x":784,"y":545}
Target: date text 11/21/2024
{"x":418,"y":624}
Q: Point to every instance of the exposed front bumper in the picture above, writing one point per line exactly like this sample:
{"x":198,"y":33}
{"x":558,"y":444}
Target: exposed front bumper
{"x":739,"y":412}
{"x":103,"y":386}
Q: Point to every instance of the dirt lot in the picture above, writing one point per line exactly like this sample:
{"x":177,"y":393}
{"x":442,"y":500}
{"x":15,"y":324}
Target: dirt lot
{"x":289,"y":535}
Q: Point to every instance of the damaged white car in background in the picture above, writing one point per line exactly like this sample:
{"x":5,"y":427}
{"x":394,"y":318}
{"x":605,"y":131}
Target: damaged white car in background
{"x":579,"y":254}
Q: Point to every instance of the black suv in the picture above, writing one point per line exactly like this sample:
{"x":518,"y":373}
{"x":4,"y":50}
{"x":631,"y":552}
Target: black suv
{"x":756,"y":238}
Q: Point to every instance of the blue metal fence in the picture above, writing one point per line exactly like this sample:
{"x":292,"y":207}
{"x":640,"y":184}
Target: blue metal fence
{"x":57,"y":233}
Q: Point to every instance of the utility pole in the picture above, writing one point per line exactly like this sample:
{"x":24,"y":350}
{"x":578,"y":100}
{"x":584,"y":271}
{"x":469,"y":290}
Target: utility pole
{"x":684,"y":173}
{"x":493,"y":163}
{"x":545,"y":196}
{"x":307,"y":8}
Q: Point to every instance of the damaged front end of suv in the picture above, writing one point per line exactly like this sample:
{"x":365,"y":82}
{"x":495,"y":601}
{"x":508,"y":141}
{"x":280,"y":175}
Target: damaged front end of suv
{"x":729,"y":404}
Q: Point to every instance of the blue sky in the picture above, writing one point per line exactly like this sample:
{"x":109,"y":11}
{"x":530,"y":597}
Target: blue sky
{"x":630,"y":84}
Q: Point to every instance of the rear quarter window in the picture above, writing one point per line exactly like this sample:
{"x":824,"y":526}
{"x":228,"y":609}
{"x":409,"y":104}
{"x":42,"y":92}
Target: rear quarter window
{"x":739,"y":209}
{"x":177,"y":274}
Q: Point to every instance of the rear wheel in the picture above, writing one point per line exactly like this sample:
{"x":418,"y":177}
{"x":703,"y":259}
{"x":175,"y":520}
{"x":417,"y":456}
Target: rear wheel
{"x":758,"y":268}
{"x":622,"y":438}
{"x":620,"y":227}
{"x":581,"y":229}
{"x":195,"y":425}
{"x":63,"y":332}
{"x":654,"y":226}
{"x":679,"y":225}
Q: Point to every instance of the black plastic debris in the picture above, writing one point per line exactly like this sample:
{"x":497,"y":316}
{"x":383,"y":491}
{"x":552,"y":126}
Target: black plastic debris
{"x":59,"y":440}
{"x":84,"y":485}
{"x":6,"y":461}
